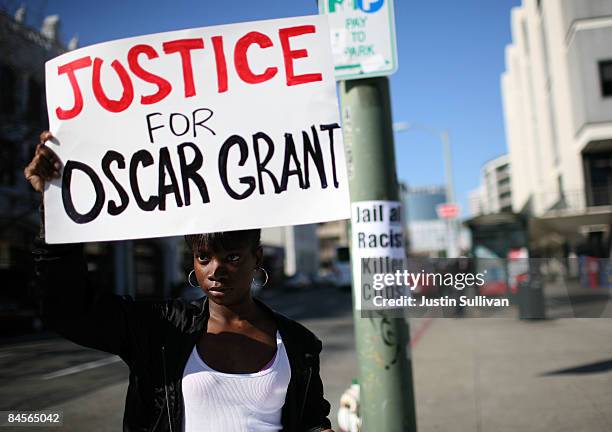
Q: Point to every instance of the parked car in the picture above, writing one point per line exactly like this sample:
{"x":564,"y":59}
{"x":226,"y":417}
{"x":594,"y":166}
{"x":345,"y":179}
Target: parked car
{"x":298,"y":281}
{"x":325,"y":279}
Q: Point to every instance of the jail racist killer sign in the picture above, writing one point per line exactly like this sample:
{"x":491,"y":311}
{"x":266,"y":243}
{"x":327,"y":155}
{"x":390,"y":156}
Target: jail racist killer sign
{"x":217,"y":128}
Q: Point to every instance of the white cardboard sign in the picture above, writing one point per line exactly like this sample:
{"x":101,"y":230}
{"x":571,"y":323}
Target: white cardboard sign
{"x":210,"y":129}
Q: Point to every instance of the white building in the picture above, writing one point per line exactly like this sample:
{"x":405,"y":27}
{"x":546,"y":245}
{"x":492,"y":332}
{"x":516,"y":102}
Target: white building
{"x":557,"y":96}
{"x":476,"y":201}
{"x":494,"y":195}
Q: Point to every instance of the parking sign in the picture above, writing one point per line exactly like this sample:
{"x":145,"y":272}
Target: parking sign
{"x":362,"y":37}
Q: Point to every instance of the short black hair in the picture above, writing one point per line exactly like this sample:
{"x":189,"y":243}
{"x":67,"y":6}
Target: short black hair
{"x":225,"y":240}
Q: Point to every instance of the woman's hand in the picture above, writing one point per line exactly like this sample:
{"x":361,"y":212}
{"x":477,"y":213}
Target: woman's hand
{"x":44,"y":166}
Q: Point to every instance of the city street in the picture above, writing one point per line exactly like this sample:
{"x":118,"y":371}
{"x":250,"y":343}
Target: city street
{"x":90,"y":386}
{"x":459,"y":150}
{"x":487,"y":374}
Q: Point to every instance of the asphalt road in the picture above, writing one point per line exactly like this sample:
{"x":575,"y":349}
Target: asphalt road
{"x":89,"y":386}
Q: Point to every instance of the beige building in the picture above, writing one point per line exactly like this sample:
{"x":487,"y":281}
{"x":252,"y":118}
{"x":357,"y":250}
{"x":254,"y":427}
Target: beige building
{"x":557,"y":97}
{"x":331,"y":235}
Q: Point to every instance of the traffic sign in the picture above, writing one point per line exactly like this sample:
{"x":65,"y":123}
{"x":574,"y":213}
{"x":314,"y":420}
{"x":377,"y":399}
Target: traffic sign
{"x":362,"y":37}
{"x":447,"y":210}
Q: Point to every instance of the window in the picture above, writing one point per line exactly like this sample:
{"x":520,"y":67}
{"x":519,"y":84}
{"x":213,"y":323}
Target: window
{"x":504,"y":181}
{"x":8,"y":162}
{"x":598,"y":178}
{"x":605,"y":76}
{"x":35,"y":97}
{"x":8,"y":81}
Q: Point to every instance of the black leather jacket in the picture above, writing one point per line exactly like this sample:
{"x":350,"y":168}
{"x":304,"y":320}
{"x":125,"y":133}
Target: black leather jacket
{"x":155,"y":339}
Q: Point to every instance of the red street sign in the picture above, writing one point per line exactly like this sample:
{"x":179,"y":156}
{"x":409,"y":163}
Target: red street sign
{"x":447,"y":211}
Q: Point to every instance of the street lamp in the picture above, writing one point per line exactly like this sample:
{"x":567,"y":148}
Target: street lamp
{"x":398,"y":127}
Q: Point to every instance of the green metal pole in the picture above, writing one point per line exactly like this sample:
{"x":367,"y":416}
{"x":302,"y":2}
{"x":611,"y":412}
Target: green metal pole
{"x":385,"y":368}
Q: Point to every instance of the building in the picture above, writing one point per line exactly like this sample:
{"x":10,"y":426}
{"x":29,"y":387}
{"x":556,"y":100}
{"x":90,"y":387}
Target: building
{"x":332,"y":235}
{"x":494,"y":195}
{"x":557,"y":100}
{"x":23,"y":52}
{"x":476,"y":201}
{"x":141,"y":268}
{"x":427,"y":233}
{"x":298,"y":249}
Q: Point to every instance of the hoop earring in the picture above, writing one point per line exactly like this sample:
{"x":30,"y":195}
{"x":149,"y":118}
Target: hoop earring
{"x":265,"y":273}
{"x":189,"y":280}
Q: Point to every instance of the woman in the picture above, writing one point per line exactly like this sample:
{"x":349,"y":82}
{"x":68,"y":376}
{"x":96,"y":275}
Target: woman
{"x":223,"y":363}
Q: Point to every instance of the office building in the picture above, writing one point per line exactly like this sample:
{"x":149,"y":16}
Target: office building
{"x":291,"y":249}
{"x":557,"y":100}
{"x":427,"y":233}
{"x":494,"y":195}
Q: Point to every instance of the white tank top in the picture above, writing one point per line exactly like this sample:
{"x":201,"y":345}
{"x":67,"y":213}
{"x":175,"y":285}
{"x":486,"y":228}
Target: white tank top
{"x":216,"y":401}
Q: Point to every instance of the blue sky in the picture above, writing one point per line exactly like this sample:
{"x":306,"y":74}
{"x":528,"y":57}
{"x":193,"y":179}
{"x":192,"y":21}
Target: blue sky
{"x":451,"y":55}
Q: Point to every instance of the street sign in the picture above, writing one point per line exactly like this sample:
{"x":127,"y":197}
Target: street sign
{"x":447,"y":210}
{"x":362,"y":36}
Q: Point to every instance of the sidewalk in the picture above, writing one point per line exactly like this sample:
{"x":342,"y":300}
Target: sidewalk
{"x":502,"y":374}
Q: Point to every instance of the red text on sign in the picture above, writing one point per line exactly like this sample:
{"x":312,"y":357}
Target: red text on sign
{"x":186,"y":49}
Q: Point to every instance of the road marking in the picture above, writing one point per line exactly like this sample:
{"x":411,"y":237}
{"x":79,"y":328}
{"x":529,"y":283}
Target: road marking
{"x":82,"y":367}
{"x":20,"y":345}
{"x":420,"y":331}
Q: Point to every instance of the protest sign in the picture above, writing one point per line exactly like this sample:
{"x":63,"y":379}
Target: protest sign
{"x":211,"y":129}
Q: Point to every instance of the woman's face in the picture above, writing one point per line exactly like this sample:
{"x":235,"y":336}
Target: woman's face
{"x":226,"y":275}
